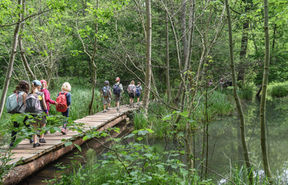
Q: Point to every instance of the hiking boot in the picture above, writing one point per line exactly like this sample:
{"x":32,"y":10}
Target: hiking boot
{"x":36,"y":145}
{"x":104,"y":111}
{"x":117,"y":109}
{"x":42,"y":140}
{"x":107,"y":108}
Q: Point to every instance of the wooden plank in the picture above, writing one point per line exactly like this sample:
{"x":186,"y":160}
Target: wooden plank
{"x":35,"y":158}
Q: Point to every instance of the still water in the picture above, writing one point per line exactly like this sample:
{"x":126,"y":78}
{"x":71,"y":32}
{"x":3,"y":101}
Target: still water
{"x":224,"y":153}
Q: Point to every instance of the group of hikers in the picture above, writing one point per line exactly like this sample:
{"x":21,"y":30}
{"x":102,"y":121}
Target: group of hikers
{"x":133,"y":91}
{"x":36,"y":103}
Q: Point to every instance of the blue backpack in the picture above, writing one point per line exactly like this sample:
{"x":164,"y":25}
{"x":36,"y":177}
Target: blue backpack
{"x":15,"y":103}
{"x":116,"y":90}
{"x":138,"y":91}
{"x":105,"y":91}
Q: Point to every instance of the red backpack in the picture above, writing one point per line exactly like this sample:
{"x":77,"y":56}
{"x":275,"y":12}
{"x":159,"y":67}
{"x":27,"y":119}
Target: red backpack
{"x":61,"y":102}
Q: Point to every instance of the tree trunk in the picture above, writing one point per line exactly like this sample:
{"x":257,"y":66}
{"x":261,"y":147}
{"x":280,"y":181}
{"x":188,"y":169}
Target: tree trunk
{"x":244,"y":44}
{"x":94,"y":67}
{"x":94,"y":77}
{"x":21,"y":48}
{"x":167,"y":60}
{"x":148,"y":57}
{"x":273,"y":44}
{"x":11,"y":62}
{"x":206,"y":131}
{"x":264,"y":93}
{"x":237,"y":99}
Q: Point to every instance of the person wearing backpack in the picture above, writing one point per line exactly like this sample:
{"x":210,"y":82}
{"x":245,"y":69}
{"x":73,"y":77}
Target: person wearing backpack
{"x":117,"y":91}
{"x":138,"y":91}
{"x":16,"y":104}
{"x":131,"y":91}
{"x":106,"y":94}
{"x":63,"y":103}
{"x":48,"y":100}
{"x":36,"y":107}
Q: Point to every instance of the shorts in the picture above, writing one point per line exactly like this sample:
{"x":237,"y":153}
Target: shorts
{"x":106,"y":101}
{"x":117,"y":98}
{"x":131,"y":95}
{"x":137,"y":95}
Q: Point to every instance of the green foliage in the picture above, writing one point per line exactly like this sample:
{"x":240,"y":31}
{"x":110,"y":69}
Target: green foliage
{"x":140,"y":121}
{"x":278,"y":89}
{"x":5,"y":165}
{"x":133,"y":163}
{"x":247,"y":92}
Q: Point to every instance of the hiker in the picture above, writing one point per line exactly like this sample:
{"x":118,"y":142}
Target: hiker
{"x":138,"y":91}
{"x":131,"y":91}
{"x":16,"y":104}
{"x":36,"y":106}
{"x":117,"y":90}
{"x":63,"y":103}
{"x":106,"y":93}
{"x":48,"y":100}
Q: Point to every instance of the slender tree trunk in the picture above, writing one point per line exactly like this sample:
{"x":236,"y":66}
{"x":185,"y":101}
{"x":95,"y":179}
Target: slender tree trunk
{"x":148,"y":57}
{"x":206,"y":132}
{"x":264,"y":93}
{"x":244,"y":45}
{"x":237,"y":99}
{"x":94,"y":67}
{"x":167,"y":60}
{"x":203,"y":151}
{"x":11,"y":62}
{"x":155,"y":90}
{"x":273,"y":44}
{"x":93,"y":91}
{"x":21,"y":47}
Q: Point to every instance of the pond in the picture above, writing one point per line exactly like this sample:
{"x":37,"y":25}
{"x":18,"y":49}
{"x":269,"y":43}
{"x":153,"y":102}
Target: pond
{"x":224,"y":151}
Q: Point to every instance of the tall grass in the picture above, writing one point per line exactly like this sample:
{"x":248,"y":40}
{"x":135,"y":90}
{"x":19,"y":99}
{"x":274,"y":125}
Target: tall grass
{"x":219,"y":104}
{"x":247,"y":91}
{"x":279,"y":89}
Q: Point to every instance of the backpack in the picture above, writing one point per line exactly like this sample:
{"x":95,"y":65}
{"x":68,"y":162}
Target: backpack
{"x":61,"y":102}
{"x":138,"y":91}
{"x":33,"y":104}
{"x":116,"y":89}
{"x":15,"y":103}
{"x":105,"y":91}
{"x":130,"y":89}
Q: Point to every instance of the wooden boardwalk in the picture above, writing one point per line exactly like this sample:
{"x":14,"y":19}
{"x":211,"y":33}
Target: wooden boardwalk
{"x":29,"y":160}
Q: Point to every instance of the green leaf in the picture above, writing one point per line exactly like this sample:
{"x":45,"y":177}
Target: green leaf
{"x":86,"y":138}
{"x":68,"y":143}
{"x":78,"y":147}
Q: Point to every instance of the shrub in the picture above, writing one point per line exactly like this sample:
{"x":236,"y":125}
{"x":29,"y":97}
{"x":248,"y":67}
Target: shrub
{"x":133,"y":163}
{"x":247,"y":92}
{"x":279,"y":90}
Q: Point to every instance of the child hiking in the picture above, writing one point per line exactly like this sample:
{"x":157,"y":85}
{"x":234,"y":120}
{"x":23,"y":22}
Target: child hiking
{"x":16,"y":104}
{"x":138,"y":91}
{"x":117,"y":91}
{"x":48,"y":100}
{"x":63,"y":103}
{"x":106,"y":94}
{"x":36,"y":106}
{"x":131,"y":91}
